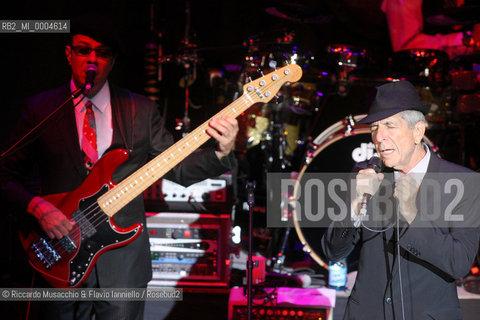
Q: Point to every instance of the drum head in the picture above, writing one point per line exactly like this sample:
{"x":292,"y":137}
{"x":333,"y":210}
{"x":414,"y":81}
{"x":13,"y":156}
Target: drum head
{"x":336,"y":153}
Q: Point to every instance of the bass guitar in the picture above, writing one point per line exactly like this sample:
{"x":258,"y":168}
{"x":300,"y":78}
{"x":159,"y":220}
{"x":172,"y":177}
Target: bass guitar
{"x":67,"y":262}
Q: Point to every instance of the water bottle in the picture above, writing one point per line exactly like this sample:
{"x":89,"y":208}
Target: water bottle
{"x":337,"y":275}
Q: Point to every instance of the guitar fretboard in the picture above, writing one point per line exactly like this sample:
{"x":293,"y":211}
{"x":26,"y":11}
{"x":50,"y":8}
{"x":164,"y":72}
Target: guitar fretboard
{"x":260,"y":90}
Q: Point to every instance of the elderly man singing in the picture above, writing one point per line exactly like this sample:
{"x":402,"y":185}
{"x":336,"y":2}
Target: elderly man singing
{"x":419,"y":231}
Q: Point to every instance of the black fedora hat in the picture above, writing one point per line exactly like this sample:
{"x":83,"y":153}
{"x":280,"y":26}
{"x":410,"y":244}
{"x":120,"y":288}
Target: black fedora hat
{"x":98,"y":27}
{"x":392,"y":98}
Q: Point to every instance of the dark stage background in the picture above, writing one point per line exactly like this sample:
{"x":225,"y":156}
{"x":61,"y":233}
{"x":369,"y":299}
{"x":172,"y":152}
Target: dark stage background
{"x":36,"y":62}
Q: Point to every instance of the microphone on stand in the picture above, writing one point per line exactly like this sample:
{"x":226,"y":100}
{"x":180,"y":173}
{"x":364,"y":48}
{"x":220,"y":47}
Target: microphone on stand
{"x":376,"y":164}
{"x":91,"y":73}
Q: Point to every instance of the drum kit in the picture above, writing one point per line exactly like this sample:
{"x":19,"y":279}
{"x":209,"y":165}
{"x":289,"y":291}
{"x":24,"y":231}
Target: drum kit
{"x":283,"y":136}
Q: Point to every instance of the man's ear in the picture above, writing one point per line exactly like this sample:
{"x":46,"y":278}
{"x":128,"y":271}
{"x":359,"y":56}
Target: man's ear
{"x":419,"y":131}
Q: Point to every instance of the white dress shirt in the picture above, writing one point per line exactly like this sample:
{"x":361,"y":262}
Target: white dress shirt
{"x":102,"y":109}
{"x":419,"y":170}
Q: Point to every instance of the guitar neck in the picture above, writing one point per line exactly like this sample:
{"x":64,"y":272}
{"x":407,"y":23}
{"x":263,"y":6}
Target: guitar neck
{"x":132,"y":186}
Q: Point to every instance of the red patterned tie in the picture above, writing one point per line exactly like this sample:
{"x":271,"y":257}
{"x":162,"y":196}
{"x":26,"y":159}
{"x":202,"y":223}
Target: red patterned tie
{"x":89,"y":141}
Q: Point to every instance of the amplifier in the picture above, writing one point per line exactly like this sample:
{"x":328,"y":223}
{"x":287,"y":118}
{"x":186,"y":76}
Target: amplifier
{"x":283,"y":303}
{"x":189,"y":249}
{"x":213,"y":195}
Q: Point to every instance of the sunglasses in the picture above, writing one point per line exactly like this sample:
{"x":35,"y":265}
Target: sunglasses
{"x":83,"y":51}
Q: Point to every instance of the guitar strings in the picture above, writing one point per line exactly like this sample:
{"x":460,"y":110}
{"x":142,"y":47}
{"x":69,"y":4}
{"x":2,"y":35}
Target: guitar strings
{"x":198,"y":135}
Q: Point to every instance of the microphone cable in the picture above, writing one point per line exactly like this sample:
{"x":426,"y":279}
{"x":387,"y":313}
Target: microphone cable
{"x":398,"y":253}
{"x":399,"y":268}
{"x":398,"y":256}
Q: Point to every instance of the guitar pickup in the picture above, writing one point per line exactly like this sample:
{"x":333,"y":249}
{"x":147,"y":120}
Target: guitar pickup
{"x":86,"y":227}
{"x":68,"y":244}
{"x":45,"y":253}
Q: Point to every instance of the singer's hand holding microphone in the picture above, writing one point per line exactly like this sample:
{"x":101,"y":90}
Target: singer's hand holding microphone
{"x":367,"y":183}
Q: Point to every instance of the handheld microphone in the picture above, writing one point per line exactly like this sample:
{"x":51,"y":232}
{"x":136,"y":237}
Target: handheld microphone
{"x":376,"y":164}
{"x":91,"y":72}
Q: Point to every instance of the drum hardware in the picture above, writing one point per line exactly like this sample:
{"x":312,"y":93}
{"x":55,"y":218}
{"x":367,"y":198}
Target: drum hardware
{"x":275,"y":127}
{"x":338,"y":127}
{"x":262,"y":53}
{"x":274,"y":143}
{"x":347,"y":59}
{"x":264,"y":125}
{"x":298,"y":13}
{"x":464,"y":14}
{"x":465,"y":74}
{"x":422,"y":67}
{"x":250,"y":186}
{"x":469,"y":103}
{"x":275,"y":146}
{"x":153,"y":53}
{"x":464,"y":80}
{"x":187,"y":58}
{"x":429,"y":72}
{"x":312,"y":147}
{"x":279,"y":260}
{"x":189,"y":63}
{"x":350,"y":123}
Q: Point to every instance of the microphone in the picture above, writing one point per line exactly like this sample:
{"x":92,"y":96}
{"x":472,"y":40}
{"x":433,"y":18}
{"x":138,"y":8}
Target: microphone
{"x":91,"y":72}
{"x":376,"y":164}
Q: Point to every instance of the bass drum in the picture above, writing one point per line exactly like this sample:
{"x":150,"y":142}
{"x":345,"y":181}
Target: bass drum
{"x":340,"y":147}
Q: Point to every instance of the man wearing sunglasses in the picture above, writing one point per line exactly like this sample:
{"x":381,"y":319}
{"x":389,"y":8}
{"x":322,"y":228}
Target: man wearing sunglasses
{"x":122,"y":120}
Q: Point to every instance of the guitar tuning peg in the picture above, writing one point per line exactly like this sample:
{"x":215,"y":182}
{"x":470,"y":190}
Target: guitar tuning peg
{"x":287,"y":63}
{"x":260,"y":71}
{"x":250,"y":79}
{"x":273,"y":64}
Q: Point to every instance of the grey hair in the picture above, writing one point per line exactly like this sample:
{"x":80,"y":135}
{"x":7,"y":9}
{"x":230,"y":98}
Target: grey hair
{"x":412,"y":117}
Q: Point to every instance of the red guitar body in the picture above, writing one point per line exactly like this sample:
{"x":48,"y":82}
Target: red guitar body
{"x":66,"y":263}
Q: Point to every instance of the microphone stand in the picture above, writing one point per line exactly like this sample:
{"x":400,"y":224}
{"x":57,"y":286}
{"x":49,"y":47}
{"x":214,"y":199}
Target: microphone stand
{"x":250,"y":187}
{"x":188,"y":62}
{"x":74,"y":94}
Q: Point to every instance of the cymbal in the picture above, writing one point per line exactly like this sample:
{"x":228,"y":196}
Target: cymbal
{"x":464,"y":15}
{"x":298,"y":13}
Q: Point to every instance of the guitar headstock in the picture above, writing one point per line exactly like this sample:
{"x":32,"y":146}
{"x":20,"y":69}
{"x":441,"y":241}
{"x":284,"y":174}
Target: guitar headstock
{"x":265,"y":88}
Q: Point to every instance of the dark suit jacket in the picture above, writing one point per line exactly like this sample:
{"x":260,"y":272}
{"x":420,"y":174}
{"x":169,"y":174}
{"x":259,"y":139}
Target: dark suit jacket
{"x":434,"y":252}
{"x":57,"y":155}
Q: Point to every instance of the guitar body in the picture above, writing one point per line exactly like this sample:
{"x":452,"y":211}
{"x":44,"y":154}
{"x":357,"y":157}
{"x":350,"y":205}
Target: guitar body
{"x":66,"y":263}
